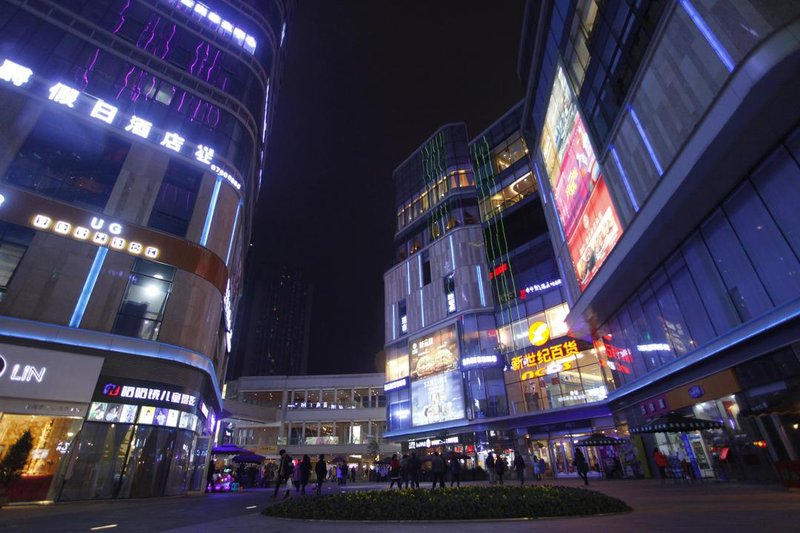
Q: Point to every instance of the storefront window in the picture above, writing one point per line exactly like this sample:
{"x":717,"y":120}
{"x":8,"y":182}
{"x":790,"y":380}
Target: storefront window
{"x":342,"y":432}
{"x":148,"y":462}
{"x":52,"y":436}
{"x":327,"y":434}
{"x":311,"y":432}
{"x":314,"y":399}
{"x":361,"y":398}
{"x":97,"y":461}
{"x":358,"y":433}
{"x":344,"y":398}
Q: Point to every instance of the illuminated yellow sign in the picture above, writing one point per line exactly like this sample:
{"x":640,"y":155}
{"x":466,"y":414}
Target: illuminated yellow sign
{"x":538,"y":333}
{"x":552,"y":368}
{"x":546,"y":355}
{"x":111,"y":237}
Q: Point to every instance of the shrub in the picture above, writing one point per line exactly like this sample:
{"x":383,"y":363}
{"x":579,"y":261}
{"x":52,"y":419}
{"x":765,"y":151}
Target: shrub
{"x":467,"y":503}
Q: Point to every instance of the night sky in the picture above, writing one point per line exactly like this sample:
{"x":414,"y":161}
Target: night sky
{"x":365,"y":84}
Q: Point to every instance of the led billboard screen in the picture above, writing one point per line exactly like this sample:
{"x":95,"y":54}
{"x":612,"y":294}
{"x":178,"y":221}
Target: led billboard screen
{"x":583,"y":204}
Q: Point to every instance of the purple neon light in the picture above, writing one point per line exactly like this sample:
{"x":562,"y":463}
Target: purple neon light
{"x":169,"y":40}
{"x":196,"y":57}
{"x":213,"y":64}
{"x":122,"y":16}
{"x":125,"y":86}
{"x":89,"y":69}
{"x":183,"y":98}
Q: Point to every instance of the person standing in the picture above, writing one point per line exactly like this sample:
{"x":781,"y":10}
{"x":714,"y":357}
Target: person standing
{"x":413,"y":470}
{"x":305,"y":473}
{"x":404,"y":471}
{"x":490,"y":467}
{"x":500,"y":468}
{"x":321,"y":469}
{"x":284,"y":473}
{"x":519,"y":467}
{"x":394,"y":472}
{"x":542,"y":467}
{"x":455,"y":471}
{"x":581,"y":466}
{"x":437,"y":468}
{"x":536,"y":474}
{"x":661,"y":462}
{"x":353,"y":474}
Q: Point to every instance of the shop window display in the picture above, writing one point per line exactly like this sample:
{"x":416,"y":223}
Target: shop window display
{"x":52,"y":438}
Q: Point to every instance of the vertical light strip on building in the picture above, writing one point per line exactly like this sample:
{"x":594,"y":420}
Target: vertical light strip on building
{"x":233,"y":233}
{"x":558,"y":221}
{"x":394,"y":323}
{"x":480,"y":285}
{"x":419,"y":268}
{"x":452,"y":253}
{"x":709,"y":36}
{"x":408,"y":276}
{"x":624,"y":178}
{"x":212,"y":206}
{"x":539,"y":179}
{"x":88,"y":287}
{"x":422,"y":307}
{"x":646,"y":140}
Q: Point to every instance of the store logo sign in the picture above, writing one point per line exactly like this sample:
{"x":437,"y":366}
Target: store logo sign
{"x":696,"y":391}
{"x":539,"y":333}
{"x":92,"y":233}
{"x":2,"y":365}
{"x":26,"y":373}
{"x":148,"y":393}
{"x":397,"y":384}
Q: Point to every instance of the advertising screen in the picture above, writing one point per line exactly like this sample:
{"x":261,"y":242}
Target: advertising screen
{"x":595,"y":236}
{"x":437,"y":398}
{"x":434,"y":353}
{"x":583,"y":203}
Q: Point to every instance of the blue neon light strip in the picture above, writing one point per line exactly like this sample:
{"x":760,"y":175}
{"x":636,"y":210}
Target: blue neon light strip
{"x":233,"y":233}
{"x":408,"y":276}
{"x":422,"y":307}
{"x":88,"y":287}
{"x":452,"y":253}
{"x":419,"y":269}
{"x":646,"y":140}
{"x":212,"y":206}
{"x":712,"y":40}
{"x":539,"y":178}
{"x":480,"y":285}
{"x":624,"y":178}
{"x":394,"y":323}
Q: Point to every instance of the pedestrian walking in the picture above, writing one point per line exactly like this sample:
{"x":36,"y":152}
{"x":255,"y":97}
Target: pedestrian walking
{"x":437,"y":468}
{"x":581,"y":466}
{"x":536,"y":471}
{"x":321,"y":469}
{"x":394,"y":471}
{"x":489,"y":464}
{"x":340,"y":479}
{"x":353,"y":474}
{"x":296,"y":478}
{"x":661,"y":462}
{"x":414,"y":466}
{"x":455,"y":471}
{"x":519,"y":467}
{"x":500,"y":468}
{"x":542,"y":468}
{"x":284,"y":473}
{"x":305,"y":473}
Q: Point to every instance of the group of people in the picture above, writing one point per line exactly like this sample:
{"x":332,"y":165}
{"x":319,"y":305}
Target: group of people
{"x":298,"y":477}
{"x":496,"y":468}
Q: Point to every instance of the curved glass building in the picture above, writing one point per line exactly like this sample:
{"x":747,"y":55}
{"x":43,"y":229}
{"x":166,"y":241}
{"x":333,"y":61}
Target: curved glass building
{"x":135,"y":135}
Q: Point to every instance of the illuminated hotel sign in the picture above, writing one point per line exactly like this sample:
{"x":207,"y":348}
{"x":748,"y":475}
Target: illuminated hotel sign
{"x":59,"y":93}
{"x":93,"y":232}
{"x":396,"y":384}
{"x":479,"y":360}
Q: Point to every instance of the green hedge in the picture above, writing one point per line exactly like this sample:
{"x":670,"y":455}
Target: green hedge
{"x":467,"y":503}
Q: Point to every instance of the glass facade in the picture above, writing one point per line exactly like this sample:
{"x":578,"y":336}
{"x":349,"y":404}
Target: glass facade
{"x":142,"y":308}
{"x":741,"y":263}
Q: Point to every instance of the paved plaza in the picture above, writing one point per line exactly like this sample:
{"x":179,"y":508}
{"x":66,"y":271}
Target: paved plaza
{"x":707,"y":508}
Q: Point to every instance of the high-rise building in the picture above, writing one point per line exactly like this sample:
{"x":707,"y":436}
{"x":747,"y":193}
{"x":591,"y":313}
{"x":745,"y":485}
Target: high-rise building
{"x":276,"y":306}
{"x":134,"y":141}
{"x":664,"y":147}
{"x":439,"y":308}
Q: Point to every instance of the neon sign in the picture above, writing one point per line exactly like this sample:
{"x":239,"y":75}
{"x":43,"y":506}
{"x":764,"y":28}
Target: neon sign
{"x":540,"y":287}
{"x":500,"y":269}
{"x":228,"y":307}
{"x":248,"y":42}
{"x":113,"y":390}
{"x":111,"y":238}
{"x":397,"y":384}
{"x":479,"y":360}
{"x":546,"y":355}
{"x":655,"y":347}
{"x":101,"y":110}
